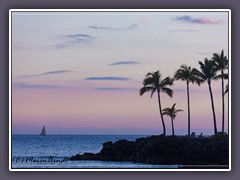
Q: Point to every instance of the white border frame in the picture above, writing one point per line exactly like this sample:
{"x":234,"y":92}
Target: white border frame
{"x":120,"y":10}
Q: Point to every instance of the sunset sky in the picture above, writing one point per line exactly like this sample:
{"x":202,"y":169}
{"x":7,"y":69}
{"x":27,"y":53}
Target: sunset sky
{"x":80,"y":72}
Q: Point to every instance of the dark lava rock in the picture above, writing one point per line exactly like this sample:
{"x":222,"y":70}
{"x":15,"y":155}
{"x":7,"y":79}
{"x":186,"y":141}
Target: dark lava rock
{"x":121,"y":150}
{"x":164,"y":150}
{"x":85,"y":156}
{"x":107,"y":144}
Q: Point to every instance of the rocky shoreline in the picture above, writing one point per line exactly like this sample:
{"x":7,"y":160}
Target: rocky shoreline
{"x":164,"y":151}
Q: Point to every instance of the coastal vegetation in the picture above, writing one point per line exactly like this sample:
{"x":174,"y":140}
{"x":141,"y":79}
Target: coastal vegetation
{"x":152,"y":83}
{"x":209,"y":71}
{"x":185,"y":73}
{"x":171,"y":112}
{"x":221,"y":63}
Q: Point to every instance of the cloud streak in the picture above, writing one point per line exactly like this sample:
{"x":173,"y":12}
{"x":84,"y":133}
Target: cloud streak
{"x":73,"y":39}
{"x":183,"y":30}
{"x":109,"y":78}
{"x":97,"y":27}
{"x":78,"y":38}
{"x":35,"y":86}
{"x":49,"y":73}
{"x":202,"y":53}
{"x":124,"y":63}
{"x":55,"y":72}
{"x":191,"y":20}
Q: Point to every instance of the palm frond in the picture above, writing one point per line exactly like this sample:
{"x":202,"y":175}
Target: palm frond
{"x":173,"y":107}
{"x":218,"y":77}
{"x":220,"y":61}
{"x":201,"y":64}
{"x":225,"y":76}
{"x":178,"y":110}
{"x":150,"y":74}
{"x":146,"y":89}
{"x":166,"y":82}
{"x":179,"y":74}
{"x":198,"y":77}
{"x":172,"y":112}
{"x":168,"y":91}
{"x":166,"y":111}
{"x":186,"y":73}
{"x":153,"y":91}
{"x":182,"y":72}
{"x":148,"y":80}
{"x":152,"y":78}
{"x":157,"y":73}
{"x":194,"y":79}
{"x":208,"y":68}
{"x":198,"y":74}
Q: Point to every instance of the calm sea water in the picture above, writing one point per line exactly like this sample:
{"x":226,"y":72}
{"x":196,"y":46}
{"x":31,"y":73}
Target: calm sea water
{"x":52,"y":151}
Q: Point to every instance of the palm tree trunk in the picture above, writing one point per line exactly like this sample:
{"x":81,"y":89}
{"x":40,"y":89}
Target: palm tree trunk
{"x":222,"y":103}
{"x":172,"y":127}
{"x":188,"y":108}
{"x":160,"y":109}
{"x":214,"y":116}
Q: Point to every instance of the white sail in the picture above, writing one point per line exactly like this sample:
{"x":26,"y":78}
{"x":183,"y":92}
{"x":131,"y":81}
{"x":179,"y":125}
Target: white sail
{"x":43,"y":133}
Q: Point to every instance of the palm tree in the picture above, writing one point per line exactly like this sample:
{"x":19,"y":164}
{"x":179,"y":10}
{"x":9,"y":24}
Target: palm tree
{"x":171,"y":112}
{"x":185,"y":73}
{"x":221,"y":63}
{"x":207,"y":74}
{"x":152,"y":83}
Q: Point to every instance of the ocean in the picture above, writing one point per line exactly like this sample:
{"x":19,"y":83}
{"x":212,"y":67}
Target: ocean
{"x":53,"y":151}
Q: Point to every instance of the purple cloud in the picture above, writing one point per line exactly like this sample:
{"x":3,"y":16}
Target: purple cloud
{"x":55,"y":72}
{"x":78,"y":38}
{"x":123,"y":63}
{"x":49,"y":73}
{"x":189,"y":19}
{"x":35,"y":86}
{"x":86,"y":36}
{"x":107,"y":78}
{"x":72,"y":39}
{"x":97,"y":27}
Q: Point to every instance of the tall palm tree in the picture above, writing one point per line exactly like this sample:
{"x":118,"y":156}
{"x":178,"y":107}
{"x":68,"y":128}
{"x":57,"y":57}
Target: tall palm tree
{"x":221,"y":63}
{"x":185,"y":73}
{"x":171,"y":112}
{"x":152,"y":83}
{"x":207,"y":74}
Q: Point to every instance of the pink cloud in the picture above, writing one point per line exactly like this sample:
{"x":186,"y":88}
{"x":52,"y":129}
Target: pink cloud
{"x":191,"y":20}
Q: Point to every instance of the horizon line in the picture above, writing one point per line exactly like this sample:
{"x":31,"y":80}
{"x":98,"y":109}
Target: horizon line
{"x":109,"y":134}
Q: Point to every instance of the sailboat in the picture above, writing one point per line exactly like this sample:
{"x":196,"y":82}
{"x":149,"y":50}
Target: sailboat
{"x":43,"y":133}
